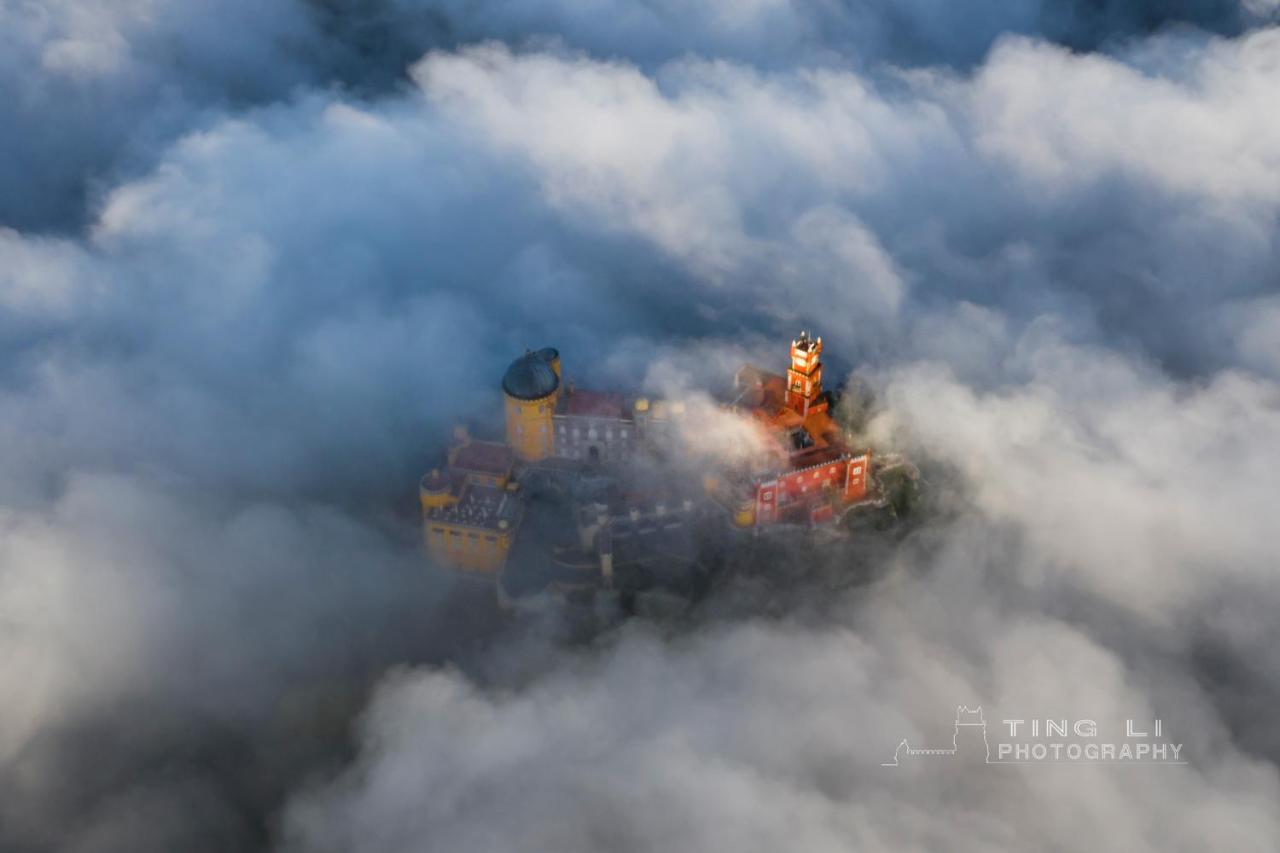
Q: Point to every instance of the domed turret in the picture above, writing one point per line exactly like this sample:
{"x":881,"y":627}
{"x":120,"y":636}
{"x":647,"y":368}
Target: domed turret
{"x":530,"y":377}
{"x":530,"y":386}
{"x":551,"y":356}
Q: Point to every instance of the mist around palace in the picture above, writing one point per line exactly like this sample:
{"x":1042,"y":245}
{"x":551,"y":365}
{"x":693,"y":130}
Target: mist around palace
{"x":910,"y":358}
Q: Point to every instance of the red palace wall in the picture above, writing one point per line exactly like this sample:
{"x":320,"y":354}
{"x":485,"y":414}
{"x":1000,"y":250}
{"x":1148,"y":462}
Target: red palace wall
{"x":802,"y":493}
{"x":855,"y":485}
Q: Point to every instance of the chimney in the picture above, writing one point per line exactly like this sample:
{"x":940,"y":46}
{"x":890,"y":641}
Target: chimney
{"x":591,"y":518}
{"x":604,"y":546}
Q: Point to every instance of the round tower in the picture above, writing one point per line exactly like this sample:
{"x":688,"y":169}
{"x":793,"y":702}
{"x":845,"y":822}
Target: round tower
{"x":434,"y":491}
{"x":970,"y":737}
{"x":529,"y":387}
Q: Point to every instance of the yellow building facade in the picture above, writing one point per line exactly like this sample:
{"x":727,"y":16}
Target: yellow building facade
{"x":471,"y":511}
{"x":479,"y":550}
{"x":530,"y":390}
{"x":529,"y":427}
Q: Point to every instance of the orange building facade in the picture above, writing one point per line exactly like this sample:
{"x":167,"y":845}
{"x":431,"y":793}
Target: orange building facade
{"x":813,"y":474}
{"x":473,"y":508}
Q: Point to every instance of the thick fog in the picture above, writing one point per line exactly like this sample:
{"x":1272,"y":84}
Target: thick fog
{"x":256,"y":260}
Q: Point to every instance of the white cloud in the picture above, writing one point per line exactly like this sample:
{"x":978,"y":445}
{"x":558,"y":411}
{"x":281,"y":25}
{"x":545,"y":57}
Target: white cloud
{"x":216,"y":395}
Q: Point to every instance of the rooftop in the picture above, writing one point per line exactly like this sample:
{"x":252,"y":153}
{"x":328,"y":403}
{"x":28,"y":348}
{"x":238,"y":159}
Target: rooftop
{"x":530,"y":376}
{"x":595,"y":404}
{"x":481,"y":507}
{"x":806,"y":343}
{"x":484,"y":457}
{"x":759,"y":388}
{"x":436,"y":480}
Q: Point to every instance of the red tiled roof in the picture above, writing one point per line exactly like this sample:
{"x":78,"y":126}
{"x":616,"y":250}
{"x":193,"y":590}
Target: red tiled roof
{"x":765,"y":390}
{"x":485,"y":457}
{"x":596,"y":404}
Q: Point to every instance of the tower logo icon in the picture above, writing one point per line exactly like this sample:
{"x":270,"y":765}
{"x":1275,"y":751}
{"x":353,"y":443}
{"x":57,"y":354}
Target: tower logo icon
{"x":968,"y":741}
{"x":1058,"y":740}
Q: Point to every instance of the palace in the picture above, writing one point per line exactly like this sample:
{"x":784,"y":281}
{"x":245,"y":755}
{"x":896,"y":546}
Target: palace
{"x":471,"y":511}
{"x":810,"y":475}
{"x":619,"y":468}
{"x":547,"y":418}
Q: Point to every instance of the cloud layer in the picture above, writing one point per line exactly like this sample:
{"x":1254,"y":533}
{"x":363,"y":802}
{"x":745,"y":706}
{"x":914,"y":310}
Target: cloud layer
{"x":258,"y":261}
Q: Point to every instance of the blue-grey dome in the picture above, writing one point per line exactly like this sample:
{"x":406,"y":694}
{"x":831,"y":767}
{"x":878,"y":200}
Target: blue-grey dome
{"x":530,"y":377}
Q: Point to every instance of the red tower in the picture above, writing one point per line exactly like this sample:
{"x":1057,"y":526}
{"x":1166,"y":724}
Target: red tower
{"x":804,"y":377}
